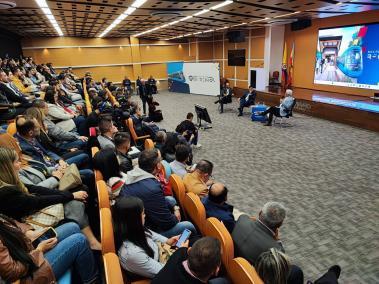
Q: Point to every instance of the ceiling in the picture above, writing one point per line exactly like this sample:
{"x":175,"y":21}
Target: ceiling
{"x":88,"y":18}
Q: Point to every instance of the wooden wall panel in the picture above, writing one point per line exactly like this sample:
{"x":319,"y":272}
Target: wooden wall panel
{"x":218,"y":50}
{"x":256,"y":64}
{"x":72,"y":41}
{"x":242,"y":84}
{"x":229,"y":71}
{"x":257,"y":48}
{"x":113,"y":73}
{"x":242,"y":72}
{"x":206,"y":51}
{"x":153,"y":53}
{"x":157,"y":70}
{"x":305,"y":50}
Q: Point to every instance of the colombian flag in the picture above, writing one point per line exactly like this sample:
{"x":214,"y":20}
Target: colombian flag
{"x":284,"y":66}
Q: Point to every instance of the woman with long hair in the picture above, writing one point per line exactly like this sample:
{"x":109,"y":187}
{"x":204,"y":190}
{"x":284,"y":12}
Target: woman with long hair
{"x":17,"y":202}
{"x":137,"y":246}
{"x":49,"y":260}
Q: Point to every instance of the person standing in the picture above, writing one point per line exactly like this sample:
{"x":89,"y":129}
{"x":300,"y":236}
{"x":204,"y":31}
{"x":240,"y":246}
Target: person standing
{"x":143,"y":94}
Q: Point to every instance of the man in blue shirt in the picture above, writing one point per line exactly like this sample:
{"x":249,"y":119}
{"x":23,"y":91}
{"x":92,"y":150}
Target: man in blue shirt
{"x":216,"y":206}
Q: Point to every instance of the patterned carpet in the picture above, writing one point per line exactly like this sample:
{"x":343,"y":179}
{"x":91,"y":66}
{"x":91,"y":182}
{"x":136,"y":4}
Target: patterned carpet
{"x":325,"y":173}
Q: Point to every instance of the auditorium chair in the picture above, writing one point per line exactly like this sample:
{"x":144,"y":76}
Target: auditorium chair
{"x":97,"y":173}
{"x":136,"y":139}
{"x":178,"y":189}
{"x":195,"y":210}
{"x":106,"y":231}
{"x":214,"y":228}
{"x":94,"y":150}
{"x":149,"y":144}
{"x":11,"y":129}
{"x":113,"y":271}
{"x":102,"y":194}
{"x":241,"y":271}
{"x":289,"y":114}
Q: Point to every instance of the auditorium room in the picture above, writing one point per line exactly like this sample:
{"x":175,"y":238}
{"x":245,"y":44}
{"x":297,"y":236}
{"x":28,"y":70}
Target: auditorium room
{"x":189,"y":142}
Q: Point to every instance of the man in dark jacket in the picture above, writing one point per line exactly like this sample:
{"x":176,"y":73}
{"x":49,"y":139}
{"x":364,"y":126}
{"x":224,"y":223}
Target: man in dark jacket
{"x":11,"y":92}
{"x":247,"y":100}
{"x":144,"y":92}
{"x":122,"y":144}
{"x":216,"y":206}
{"x":188,"y":130}
{"x":141,"y":182}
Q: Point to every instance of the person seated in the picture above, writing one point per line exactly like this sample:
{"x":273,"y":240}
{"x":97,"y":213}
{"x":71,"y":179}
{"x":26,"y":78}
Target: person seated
{"x":122,"y":144}
{"x":225,"y":97}
{"x":154,"y":114}
{"x":248,"y":99}
{"x":282,"y":110}
{"x":189,"y":131}
{"x":28,"y":130}
{"x":197,"y":265}
{"x":169,"y":147}
{"x":152,"y":85}
{"x":49,"y":260}
{"x":143,"y":126}
{"x":182,"y":156}
{"x":64,"y":139}
{"x":141,"y":182}
{"x":12,"y":95}
{"x":107,"y":131}
{"x":64,"y":117}
{"x":75,"y":97}
{"x":12,"y":172}
{"x":127,"y":84}
{"x":216,"y":206}
{"x":137,"y":245}
{"x":199,"y":180}
{"x":160,"y":140}
{"x":17,"y":80}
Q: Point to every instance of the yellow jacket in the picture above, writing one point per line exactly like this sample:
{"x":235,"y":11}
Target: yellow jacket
{"x":193,"y":183}
{"x":17,"y":82}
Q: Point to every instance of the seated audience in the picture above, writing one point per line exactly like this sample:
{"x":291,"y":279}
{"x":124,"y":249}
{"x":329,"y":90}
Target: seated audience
{"x":252,"y":237}
{"x":169,"y":147}
{"x":216,"y":206}
{"x":199,"y":180}
{"x":248,"y":99}
{"x":141,"y":182}
{"x":122,"y":144}
{"x":160,"y":140}
{"x":137,"y":245}
{"x":143,"y":127}
{"x":10,"y":170}
{"x":49,"y":260}
{"x":75,"y":97}
{"x":196,"y":265}
{"x":282,"y":110}
{"x":12,"y":94}
{"x":182,"y":155}
{"x":154,"y":114}
{"x":64,"y":117}
{"x":107,"y":131}
{"x":189,"y":131}
{"x":107,"y":163}
{"x":17,"y":80}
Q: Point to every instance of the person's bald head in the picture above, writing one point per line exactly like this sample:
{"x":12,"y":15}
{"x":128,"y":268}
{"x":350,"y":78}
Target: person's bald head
{"x":218,"y":193}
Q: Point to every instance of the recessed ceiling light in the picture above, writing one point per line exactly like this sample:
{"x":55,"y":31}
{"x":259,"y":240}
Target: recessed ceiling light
{"x":46,"y":10}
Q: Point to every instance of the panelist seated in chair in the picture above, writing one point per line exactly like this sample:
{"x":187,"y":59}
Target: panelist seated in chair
{"x":225,"y":96}
{"x":247,"y":100}
{"x":282,"y":110}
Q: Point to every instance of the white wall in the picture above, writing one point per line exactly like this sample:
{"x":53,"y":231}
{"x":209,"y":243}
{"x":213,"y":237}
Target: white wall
{"x":274,"y":41}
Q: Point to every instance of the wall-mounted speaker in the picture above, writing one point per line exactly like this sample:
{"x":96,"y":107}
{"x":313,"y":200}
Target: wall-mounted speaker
{"x":235,"y":36}
{"x":301,"y":24}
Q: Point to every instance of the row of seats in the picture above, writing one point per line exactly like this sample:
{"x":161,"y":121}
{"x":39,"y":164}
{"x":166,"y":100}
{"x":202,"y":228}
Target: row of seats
{"x":238,"y":269}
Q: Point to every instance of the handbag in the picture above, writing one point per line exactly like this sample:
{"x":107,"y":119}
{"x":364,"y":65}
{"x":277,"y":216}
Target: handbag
{"x":71,"y":178}
{"x":165,"y":251}
{"x":46,"y":217}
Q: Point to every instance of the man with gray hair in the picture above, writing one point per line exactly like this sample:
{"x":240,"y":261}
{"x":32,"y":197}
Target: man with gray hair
{"x":253,"y":237}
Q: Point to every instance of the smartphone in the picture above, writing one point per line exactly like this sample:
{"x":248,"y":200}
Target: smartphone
{"x":183,"y":238}
{"x":48,"y":234}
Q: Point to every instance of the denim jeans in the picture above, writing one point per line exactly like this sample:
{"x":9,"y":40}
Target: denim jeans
{"x":73,"y":144}
{"x":171,"y":201}
{"x":72,"y":249}
{"x":81,"y":160}
{"x":178,"y":229}
{"x":81,"y":125}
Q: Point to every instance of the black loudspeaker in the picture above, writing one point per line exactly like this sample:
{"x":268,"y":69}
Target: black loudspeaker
{"x":253,"y":78}
{"x":235,"y":36}
{"x":301,"y":24}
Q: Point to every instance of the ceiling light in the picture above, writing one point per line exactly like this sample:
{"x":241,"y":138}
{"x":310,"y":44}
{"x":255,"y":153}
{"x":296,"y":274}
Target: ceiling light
{"x":201,"y":12}
{"x":285,"y":15}
{"x":186,"y":18}
{"x":138,"y":3}
{"x":221,"y":5}
{"x":46,"y":10}
{"x":130,"y":10}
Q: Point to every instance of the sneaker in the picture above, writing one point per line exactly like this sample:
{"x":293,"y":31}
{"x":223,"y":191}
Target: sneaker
{"x":240,"y":114}
{"x":197,"y":146}
{"x":336,"y":269}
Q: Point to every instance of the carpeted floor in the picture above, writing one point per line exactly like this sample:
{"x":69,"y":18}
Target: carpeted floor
{"x":325,"y":173}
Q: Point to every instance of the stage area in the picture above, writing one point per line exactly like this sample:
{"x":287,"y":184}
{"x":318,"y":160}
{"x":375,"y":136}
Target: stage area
{"x":325,"y":173}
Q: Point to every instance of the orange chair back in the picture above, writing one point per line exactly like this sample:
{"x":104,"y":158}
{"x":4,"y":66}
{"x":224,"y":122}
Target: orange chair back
{"x":241,"y":271}
{"x":149,"y":144}
{"x":98,"y":175}
{"x":195,"y":210}
{"x":112,"y":269}
{"x":106,"y":231}
{"x":214,"y":228}
{"x":12,"y":130}
{"x":129,"y":123}
{"x":102,"y":194}
{"x":94,"y":150}
{"x":178,"y":188}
